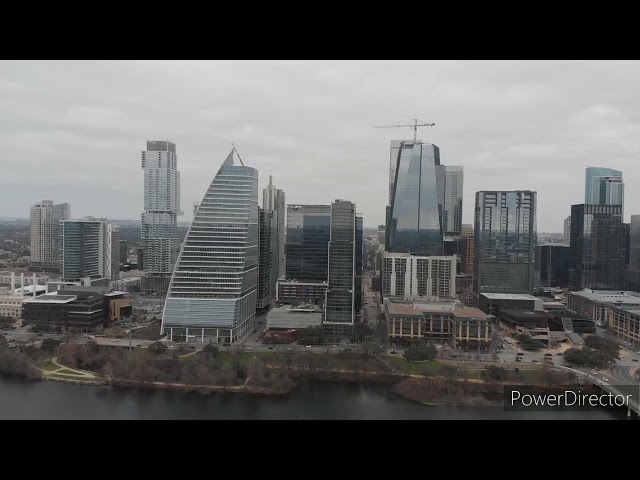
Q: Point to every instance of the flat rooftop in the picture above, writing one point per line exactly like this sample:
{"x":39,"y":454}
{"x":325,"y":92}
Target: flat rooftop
{"x":508,"y":296}
{"x":281,"y":317}
{"x":524,"y":314}
{"x":610,"y":296}
{"x":404,"y":310}
{"x":470,"y":312}
{"x":52,"y":298}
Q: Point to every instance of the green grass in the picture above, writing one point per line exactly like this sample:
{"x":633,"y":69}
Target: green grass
{"x":66,"y":371}
{"x":49,"y":366}
{"x":414,"y":368}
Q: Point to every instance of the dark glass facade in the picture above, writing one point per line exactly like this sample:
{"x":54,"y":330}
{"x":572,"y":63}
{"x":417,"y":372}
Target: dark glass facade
{"x":339,"y":307}
{"x":359,"y":264}
{"x":415,"y":223}
{"x":82,"y":249}
{"x":597,"y":251}
{"x":307,"y":243}
{"x":265,"y":259}
{"x":552,"y":265}
{"x":505,"y":231}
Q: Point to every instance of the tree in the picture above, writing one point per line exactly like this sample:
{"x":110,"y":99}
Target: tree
{"x":603,"y":344}
{"x":211,"y":350}
{"x":157,"y":347}
{"x":3,"y":340}
{"x":227,"y":376}
{"x":590,"y":358}
{"x":495,"y":373}
{"x":376,"y":283}
{"x":422,"y":351}
{"x":449,"y":372}
{"x":528,"y":343}
{"x":550,"y":376}
{"x":370,"y":349}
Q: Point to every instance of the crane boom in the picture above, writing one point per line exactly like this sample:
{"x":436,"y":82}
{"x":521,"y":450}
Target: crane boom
{"x":415,"y":126}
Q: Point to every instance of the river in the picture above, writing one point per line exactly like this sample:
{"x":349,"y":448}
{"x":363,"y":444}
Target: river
{"x":23,"y":400}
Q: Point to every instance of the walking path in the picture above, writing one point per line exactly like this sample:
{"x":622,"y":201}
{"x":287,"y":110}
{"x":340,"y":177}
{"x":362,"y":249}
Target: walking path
{"x":62,"y":371}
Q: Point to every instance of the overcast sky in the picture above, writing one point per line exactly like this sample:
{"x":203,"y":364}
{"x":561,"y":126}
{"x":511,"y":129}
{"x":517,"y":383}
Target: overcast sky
{"x":73,"y":131}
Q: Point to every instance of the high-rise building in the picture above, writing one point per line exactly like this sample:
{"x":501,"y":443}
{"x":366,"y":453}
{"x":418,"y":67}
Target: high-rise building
{"x":45,"y":233}
{"x":359,"y":268}
{"x":339,"y":304}
{"x":162,"y":207}
{"x":306,"y":249}
{"x":112,"y":262}
{"x":124,"y":251}
{"x":90,"y":248}
{"x":266,"y":236}
{"x":213,"y":288}
{"x":411,"y":277}
{"x":467,"y":231}
{"x":567,"y":231}
{"x":634,"y":243}
{"x":505,"y":232}
{"x":273,"y":200}
{"x":626,"y":243}
{"x":450,"y":185}
{"x":552,"y":265}
{"x":393,"y":163}
{"x":415,"y":220}
{"x":468,"y":254}
{"x":381,"y":232}
{"x":596,"y":254}
{"x":604,"y":186}
{"x":140,"y":257}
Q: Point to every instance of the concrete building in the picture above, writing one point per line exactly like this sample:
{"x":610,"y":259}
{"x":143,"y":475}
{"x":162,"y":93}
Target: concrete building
{"x":161,"y":208}
{"x":505,"y":232}
{"x":570,"y":322}
{"x":437,"y":322}
{"x":534,"y":324}
{"x":468,"y":255}
{"x":624,"y":323}
{"x":112,"y":261}
{"x":213,"y":291}
{"x":340,"y":295}
{"x":124,"y":251}
{"x":597,"y":253}
{"x":567,"y":231}
{"x":294,"y":292}
{"x":76,"y":309}
{"x":273,"y":201}
{"x":11,"y":305}
{"x":127,"y":284}
{"x":411,"y":276}
{"x":45,"y":232}
{"x":467,"y":231}
{"x":294,"y":318}
{"x":494,"y":303}
{"x":595,"y":304}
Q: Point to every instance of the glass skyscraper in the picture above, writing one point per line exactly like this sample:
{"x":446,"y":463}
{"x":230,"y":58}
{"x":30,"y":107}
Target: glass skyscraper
{"x":306,"y":248}
{"x":213,"y":289}
{"x":415,"y":216}
{"x":505,"y":231}
{"x":450,"y":185}
{"x":339,"y":305}
{"x":604,"y":186}
{"x":597,"y":252}
{"x":267,"y":255}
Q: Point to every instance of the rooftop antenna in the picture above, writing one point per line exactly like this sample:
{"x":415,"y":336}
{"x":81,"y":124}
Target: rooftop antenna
{"x":236,"y":150}
{"x":414,"y":126}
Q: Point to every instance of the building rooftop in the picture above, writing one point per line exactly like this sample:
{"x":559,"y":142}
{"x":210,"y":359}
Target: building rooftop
{"x":84,"y":289}
{"x":395,"y":309}
{"x":282,"y":317}
{"x":52,"y":298}
{"x":28,"y":289}
{"x":523,"y":314}
{"x":609,"y":296}
{"x":508,"y":296}
{"x":470,"y":312}
{"x":632,"y":311}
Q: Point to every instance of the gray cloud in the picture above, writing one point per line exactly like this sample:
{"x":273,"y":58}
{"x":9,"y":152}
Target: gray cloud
{"x":73,"y":131}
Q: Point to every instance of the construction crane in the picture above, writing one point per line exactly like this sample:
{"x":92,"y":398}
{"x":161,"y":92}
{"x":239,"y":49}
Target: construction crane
{"x":414,"y":126}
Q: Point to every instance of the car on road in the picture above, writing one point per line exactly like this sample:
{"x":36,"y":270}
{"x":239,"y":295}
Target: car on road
{"x":226,"y":344}
{"x":115,"y":340}
{"x":534,"y":360}
{"x":308,"y":346}
{"x":270,"y":348}
{"x":255,"y":330}
{"x":559,"y":353}
{"x":393,"y":352}
{"x":520,"y":354}
{"x":634,"y":359}
{"x":547,"y":354}
{"x":605,"y":379}
{"x":247,"y":348}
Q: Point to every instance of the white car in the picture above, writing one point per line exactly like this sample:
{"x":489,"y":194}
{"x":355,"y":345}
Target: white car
{"x":308,"y":346}
{"x":605,"y":379}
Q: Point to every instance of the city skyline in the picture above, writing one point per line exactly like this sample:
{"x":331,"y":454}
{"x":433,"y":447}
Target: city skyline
{"x":91,"y":145}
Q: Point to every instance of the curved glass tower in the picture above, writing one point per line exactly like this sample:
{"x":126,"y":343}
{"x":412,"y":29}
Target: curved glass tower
{"x":415,"y":223}
{"x":604,"y":186}
{"x":213,"y":289}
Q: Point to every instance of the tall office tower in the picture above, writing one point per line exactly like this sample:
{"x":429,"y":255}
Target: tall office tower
{"x":632,"y":275}
{"x":567,"y":231}
{"x":552,"y":265}
{"x":84,"y":249}
{"x":626,"y":243}
{"x":273,"y":200}
{"x":467,"y":231}
{"x":112,"y":262}
{"x":359,"y":268}
{"x":266,"y":293}
{"x":339,"y":303}
{"x":124,"y":251}
{"x":468,"y":255}
{"x":393,"y":163}
{"x":596,"y":254}
{"x":213,"y":288}
{"x":162,"y":207}
{"x":415,"y":223}
{"x":505,"y":230}
{"x":45,"y":233}
{"x":604,"y":186}
{"x":450,"y":184}
{"x":308,"y":235}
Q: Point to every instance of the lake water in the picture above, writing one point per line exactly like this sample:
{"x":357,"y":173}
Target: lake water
{"x":20,"y":399}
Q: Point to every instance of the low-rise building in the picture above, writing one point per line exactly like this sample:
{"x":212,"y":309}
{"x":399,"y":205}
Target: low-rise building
{"x":127,"y":284}
{"x":76,"y":309}
{"x":493,"y":303}
{"x":570,"y":322}
{"x":595,"y":304}
{"x":624,"y":322}
{"x":436,"y":322}
{"x":286,"y":318}
{"x":11,"y":306}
